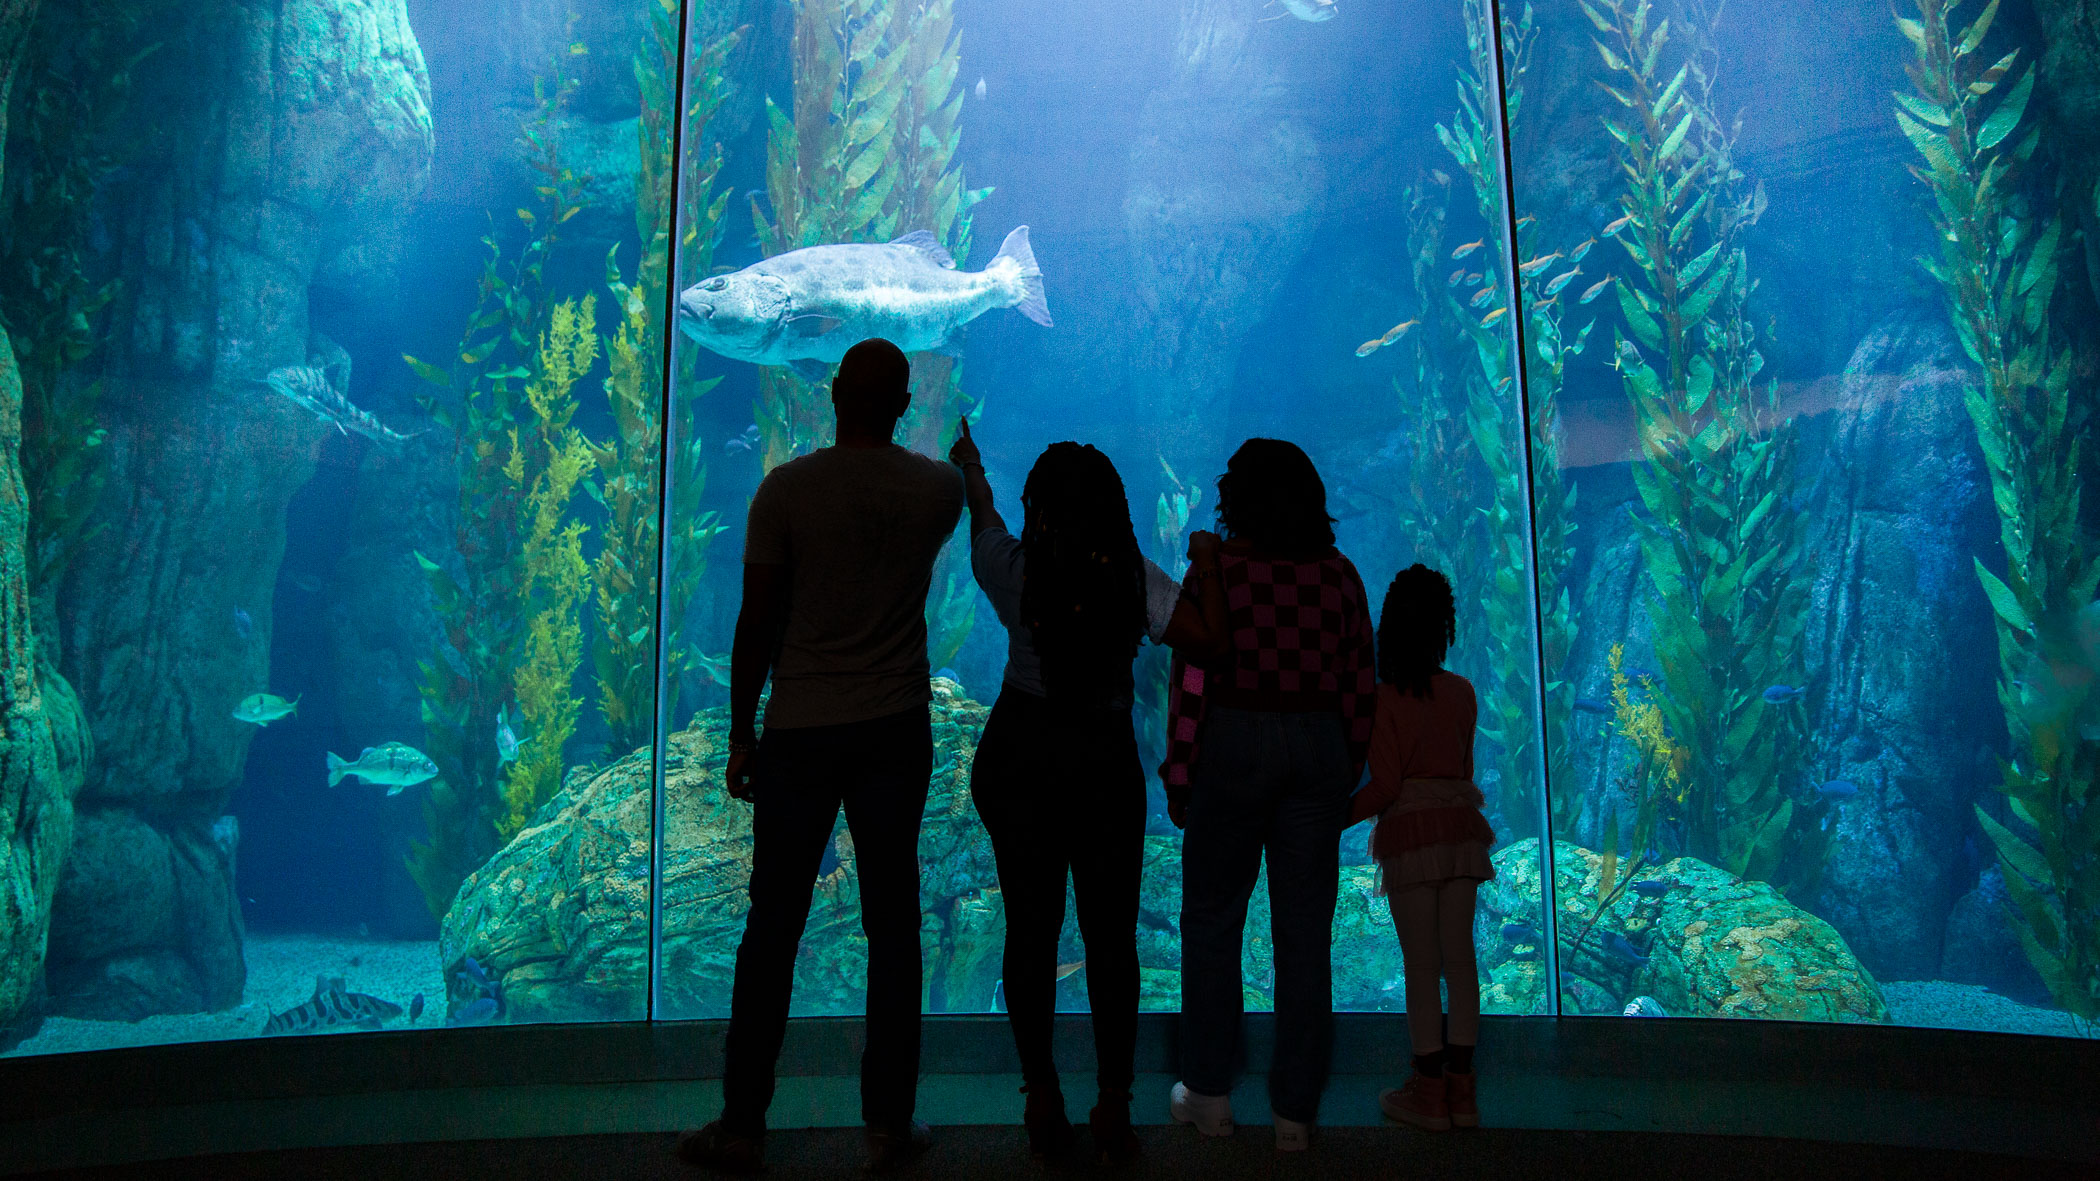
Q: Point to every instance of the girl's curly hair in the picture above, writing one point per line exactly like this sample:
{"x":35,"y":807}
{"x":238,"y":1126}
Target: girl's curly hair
{"x":1417,"y":625}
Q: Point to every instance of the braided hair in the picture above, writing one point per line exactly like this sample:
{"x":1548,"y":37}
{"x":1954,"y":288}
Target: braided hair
{"x":1083,"y":587}
{"x":1417,"y":625}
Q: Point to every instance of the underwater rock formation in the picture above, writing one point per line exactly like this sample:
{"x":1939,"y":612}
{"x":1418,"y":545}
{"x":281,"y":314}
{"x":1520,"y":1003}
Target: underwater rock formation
{"x":559,"y":919}
{"x":290,"y":144}
{"x":43,"y":744}
{"x":1224,"y":193}
{"x":1896,"y":613}
{"x":1709,"y":945}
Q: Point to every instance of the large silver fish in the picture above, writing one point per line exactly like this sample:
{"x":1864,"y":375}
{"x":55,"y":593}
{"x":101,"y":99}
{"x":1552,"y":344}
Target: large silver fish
{"x":806,"y":307}
{"x":392,"y":765}
{"x":330,"y":1007}
{"x":309,"y":389}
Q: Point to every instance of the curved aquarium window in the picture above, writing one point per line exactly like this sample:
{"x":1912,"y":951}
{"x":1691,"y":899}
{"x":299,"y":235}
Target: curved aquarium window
{"x":394,"y":377}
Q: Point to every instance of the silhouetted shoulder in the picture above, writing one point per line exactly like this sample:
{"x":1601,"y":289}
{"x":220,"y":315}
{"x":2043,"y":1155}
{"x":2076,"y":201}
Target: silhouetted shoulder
{"x":1452,"y":683}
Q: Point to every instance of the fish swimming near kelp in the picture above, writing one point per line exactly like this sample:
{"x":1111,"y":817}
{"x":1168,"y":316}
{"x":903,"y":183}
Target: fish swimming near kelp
{"x":1582,"y":251}
{"x":746,"y":442}
{"x":263,"y":708}
{"x":1781,"y":694}
{"x":1534,"y":266}
{"x":1520,"y":933}
{"x":507,"y":740}
{"x":1654,"y":887}
{"x":1612,"y":230}
{"x":1466,"y":249}
{"x":1458,"y":276}
{"x":1493,"y":316}
{"x":1596,"y":289}
{"x":332,"y":1007}
{"x":1623,"y":948}
{"x":1481,"y":298}
{"x":1562,"y":280}
{"x":805,"y":308}
{"x":309,"y":389}
{"x":392,"y":765}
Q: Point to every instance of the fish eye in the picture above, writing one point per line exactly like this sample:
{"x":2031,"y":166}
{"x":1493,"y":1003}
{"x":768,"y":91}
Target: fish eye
{"x":718,"y":283}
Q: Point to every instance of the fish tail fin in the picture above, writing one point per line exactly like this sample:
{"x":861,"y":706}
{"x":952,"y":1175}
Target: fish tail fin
{"x":1018,"y":258}
{"x":337,"y":768}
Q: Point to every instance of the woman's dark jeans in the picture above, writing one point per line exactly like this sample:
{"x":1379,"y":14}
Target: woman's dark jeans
{"x":1064,"y":791}
{"x":1274,"y":783}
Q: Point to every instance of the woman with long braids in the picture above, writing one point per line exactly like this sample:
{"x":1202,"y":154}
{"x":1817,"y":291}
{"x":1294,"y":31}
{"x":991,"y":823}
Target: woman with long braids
{"x":1431,"y":842}
{"x":1269,"y":715}
{"x":1057,"y":779}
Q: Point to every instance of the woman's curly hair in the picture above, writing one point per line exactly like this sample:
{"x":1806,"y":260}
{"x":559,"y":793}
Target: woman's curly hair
{"x":1083,"y":585}
{"x":1416,"y":627}
{"x":1271,"y":496}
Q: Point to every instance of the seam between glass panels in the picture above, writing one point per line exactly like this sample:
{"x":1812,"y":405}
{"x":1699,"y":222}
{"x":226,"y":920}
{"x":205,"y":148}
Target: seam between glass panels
{"x":660,"y":733}
{"x":1550,"y":958}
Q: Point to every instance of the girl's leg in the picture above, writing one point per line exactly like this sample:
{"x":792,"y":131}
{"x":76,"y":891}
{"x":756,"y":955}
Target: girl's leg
{"x":1415,"y":918}
{"x":1454,"y":920}
{"x":1011,"y":799}
{"x":1108,"y":857}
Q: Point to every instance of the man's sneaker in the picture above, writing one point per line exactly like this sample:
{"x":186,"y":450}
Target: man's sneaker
{"x":892,"y":1148}
{"x":1458,"y":1096}
{"x":716,"y":1147}
{"x":1421,"y":1103}
{"x":1292,"y":1136}
{"x":1212,"y":1114}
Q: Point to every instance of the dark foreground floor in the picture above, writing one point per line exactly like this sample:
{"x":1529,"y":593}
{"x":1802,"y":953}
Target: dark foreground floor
{"x":998,"y":1152}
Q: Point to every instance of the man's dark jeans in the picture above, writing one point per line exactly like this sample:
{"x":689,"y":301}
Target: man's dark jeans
{"x":878,"y":771}
{"x":1275,"y":784}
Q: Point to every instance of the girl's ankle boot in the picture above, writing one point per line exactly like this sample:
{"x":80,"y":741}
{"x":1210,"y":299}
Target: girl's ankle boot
{"x":1049,"y":1132}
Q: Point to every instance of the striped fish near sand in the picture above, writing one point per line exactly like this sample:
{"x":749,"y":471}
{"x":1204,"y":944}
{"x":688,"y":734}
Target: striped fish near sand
{"x":333,"y":1006}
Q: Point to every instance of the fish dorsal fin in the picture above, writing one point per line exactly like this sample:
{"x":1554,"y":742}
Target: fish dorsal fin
{"x":366,"y":754}
{"x":925,"y":243}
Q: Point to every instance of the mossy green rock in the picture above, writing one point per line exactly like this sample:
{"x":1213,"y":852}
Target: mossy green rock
{"x":1710,"y":944}
{"x":560,"y":917}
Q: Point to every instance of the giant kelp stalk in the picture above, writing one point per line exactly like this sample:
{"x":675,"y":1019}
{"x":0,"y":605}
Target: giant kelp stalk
{"x":67,"y":132}
{"x":1997,"y":264}
{"x":485,"y":593}
{"x":1467,"y":463}
{"x":1720,"y":541}
{"x":870,"y":153}
{"x":623,"y":649}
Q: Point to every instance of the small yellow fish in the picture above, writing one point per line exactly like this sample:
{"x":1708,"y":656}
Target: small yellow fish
{"x":1503,"y":384}
{"x":1397,"y":331}
{"x":1473,"y":280}
{"x":1370,"y":346}
{"x":1481,"y":299}
{"x":1493,"y":316}
{"x":1562,"y":280}
{"x":1458,"y":276}
{"x":1577,"y":254}
{"x":1468,"y":248}
{"x":1616,"y":226}
{"x":1525,"y":220}
{"x":1538,"y":264}
{"x":1597,"y":290}
{"x":1064,"y":970}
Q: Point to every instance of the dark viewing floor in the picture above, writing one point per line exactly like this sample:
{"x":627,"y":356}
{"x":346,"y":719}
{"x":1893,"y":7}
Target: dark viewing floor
{"x":959,"y":1152}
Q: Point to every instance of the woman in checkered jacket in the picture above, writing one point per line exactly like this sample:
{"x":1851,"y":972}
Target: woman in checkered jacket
{"x":1269,"y":719}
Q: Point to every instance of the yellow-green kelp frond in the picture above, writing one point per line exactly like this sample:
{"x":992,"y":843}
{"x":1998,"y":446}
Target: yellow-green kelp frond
{"x":554,"y":580}
{"x":1997,"y":264}
{"x":1720,"y":544}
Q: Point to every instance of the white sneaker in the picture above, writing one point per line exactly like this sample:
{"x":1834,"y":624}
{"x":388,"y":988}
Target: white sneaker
{"x":1292,"y":1136}
{"x":1212,"y":1114}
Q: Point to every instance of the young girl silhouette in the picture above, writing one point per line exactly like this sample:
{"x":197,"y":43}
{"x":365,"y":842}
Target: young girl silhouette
{"x":1431,"y":842}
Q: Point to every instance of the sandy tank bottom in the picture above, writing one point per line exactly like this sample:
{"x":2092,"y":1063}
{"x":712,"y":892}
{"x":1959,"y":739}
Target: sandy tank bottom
{"x":281,"y":971}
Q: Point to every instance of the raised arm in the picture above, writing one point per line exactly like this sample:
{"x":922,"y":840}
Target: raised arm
{"x":977,"y":491}
{"x":1200,"y":629}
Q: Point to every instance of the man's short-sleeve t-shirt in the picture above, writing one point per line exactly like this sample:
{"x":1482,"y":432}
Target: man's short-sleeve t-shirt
{"x":858,"y":530}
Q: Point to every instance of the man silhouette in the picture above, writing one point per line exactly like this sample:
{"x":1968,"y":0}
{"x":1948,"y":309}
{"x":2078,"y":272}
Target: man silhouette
{"x":838,"y":557}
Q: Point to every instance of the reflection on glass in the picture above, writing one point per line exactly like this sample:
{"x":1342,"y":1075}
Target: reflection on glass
{"x":342,"y":526}
{"x":1816,"y":515}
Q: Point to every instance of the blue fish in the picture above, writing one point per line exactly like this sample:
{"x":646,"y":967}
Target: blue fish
{"x":1838,"y":789}
{"x":1781,"y":694}
{"x":748,"y":441}
{"x":1653,"y":887}
{"x":475,"y":976}
{"x":1591,"y":705}
{"x":1520,"y":933}
{"x":475,"y":1013}
{"x":1619,"y":946}
{"x":242,"y":625}
{"x":415,"y":1007}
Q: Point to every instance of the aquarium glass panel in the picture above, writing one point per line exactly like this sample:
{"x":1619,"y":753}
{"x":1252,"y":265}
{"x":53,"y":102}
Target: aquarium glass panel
{"x":341,"y":515}
{"x":1808,"y":360}
{"x":1283,"y":221}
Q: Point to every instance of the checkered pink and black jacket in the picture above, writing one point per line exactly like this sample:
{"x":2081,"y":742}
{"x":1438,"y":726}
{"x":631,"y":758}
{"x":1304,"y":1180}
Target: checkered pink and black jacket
{"x":1301,"y":634}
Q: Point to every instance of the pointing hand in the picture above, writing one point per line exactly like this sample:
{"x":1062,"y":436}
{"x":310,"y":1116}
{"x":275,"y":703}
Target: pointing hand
{"x":964,"y":452}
